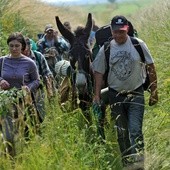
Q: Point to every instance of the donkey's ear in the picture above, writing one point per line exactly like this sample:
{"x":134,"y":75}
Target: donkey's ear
{"x":57,"y":18}
{"x":64,"y":31}
{"x":88,"y":26}
{"x":89,"y":15}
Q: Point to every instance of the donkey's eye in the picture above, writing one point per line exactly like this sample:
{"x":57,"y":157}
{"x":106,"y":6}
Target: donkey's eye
{"x":87,"y":56}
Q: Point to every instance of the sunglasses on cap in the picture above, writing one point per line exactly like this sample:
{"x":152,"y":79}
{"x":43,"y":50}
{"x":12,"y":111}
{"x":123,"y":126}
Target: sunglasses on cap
{"x":49,"y":31}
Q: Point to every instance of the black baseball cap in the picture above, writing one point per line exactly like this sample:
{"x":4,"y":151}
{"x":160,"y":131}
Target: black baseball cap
{"x":119,"y":22}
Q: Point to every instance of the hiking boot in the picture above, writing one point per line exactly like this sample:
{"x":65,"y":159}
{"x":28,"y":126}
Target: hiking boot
{"x":133,"y":162}
{"x":135,"y":166}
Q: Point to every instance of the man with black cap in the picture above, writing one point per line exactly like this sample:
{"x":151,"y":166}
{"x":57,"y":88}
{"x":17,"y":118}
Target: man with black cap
{"x":126,"y":93}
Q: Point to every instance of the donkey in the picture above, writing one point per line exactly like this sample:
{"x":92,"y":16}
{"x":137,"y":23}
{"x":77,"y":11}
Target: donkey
{"x":80,"y":57}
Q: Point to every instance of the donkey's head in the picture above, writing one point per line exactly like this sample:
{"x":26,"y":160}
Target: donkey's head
{"x":79,"y":54}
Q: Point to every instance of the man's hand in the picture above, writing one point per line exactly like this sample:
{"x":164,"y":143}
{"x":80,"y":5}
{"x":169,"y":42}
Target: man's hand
{"x":153,"y":98}
{"x":96,"y":99}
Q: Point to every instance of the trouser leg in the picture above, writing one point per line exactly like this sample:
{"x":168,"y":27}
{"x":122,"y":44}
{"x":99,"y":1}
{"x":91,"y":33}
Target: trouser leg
{"x":40,"y":104}
{"x":118,"y":113}
{"x":135,"y":117}
{"x":8,"y":133}
{"x":128,"y":111}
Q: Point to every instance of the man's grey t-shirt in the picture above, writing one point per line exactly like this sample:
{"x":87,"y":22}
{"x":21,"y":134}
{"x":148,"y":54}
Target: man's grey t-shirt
{"x":126,"y":71}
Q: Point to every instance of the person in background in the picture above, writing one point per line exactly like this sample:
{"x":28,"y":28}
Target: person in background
{"x":33,"y":45}
{"x":52,"y":39}
{"x":16,"y":72}
{"x":67,"y":25}
{"x":52,"y":46}
{"x":92,"y":34}
{"x":126,"y":93}
{"x":46,"y":76}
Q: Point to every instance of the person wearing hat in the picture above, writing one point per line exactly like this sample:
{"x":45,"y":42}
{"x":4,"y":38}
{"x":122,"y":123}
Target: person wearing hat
{"x":52,"y":39}
{"x":51,"y":44}
{"x":92,"y":34}
{"x":126,"y":93}
{"x":45,"y":75}
{"x":67,"y":25}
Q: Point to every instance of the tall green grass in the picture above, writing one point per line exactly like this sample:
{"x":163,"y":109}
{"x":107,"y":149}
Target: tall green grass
{"x":154,"y":27}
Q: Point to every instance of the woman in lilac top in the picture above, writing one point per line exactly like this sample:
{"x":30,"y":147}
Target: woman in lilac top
{"x":16,"y":71}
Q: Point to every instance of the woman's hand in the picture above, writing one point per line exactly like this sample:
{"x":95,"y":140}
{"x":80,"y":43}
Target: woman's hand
{"x":26,"y":89}
{"x":4,"y":85}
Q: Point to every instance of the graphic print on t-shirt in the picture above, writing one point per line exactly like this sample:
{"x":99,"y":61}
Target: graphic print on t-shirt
{"x":122,"y":65}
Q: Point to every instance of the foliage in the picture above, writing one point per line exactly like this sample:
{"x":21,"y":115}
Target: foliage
{"x":4,"y":4}
{"x":9,"y":23}
{"x":14,"y":23}
{"x":153,"y":26}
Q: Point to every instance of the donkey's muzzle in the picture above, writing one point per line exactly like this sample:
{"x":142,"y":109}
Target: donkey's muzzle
{"x":81,"y":82}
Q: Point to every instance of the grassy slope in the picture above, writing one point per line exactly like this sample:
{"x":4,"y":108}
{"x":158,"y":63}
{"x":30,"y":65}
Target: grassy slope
{"x":103,"y":13}
{"x":62,"y":145}
{"x":154,"y":26}
{"x":37,"y":14}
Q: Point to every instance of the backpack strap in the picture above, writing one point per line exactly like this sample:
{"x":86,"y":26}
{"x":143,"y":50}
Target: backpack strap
{"x":37,"y":56}
{"x":107,"y":52}
{"x":138,"y":47}
{"x":146,"y":84}
{"x":107,"y":56}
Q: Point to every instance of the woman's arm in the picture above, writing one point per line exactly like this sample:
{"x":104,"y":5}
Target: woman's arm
{"x":34,"y":78}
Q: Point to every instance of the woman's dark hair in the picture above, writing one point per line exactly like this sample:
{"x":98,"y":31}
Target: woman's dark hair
{"x":19,"y":37}
{"x":27,"y":40}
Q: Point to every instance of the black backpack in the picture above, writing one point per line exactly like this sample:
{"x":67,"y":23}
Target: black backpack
{"x":146,"y":84}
